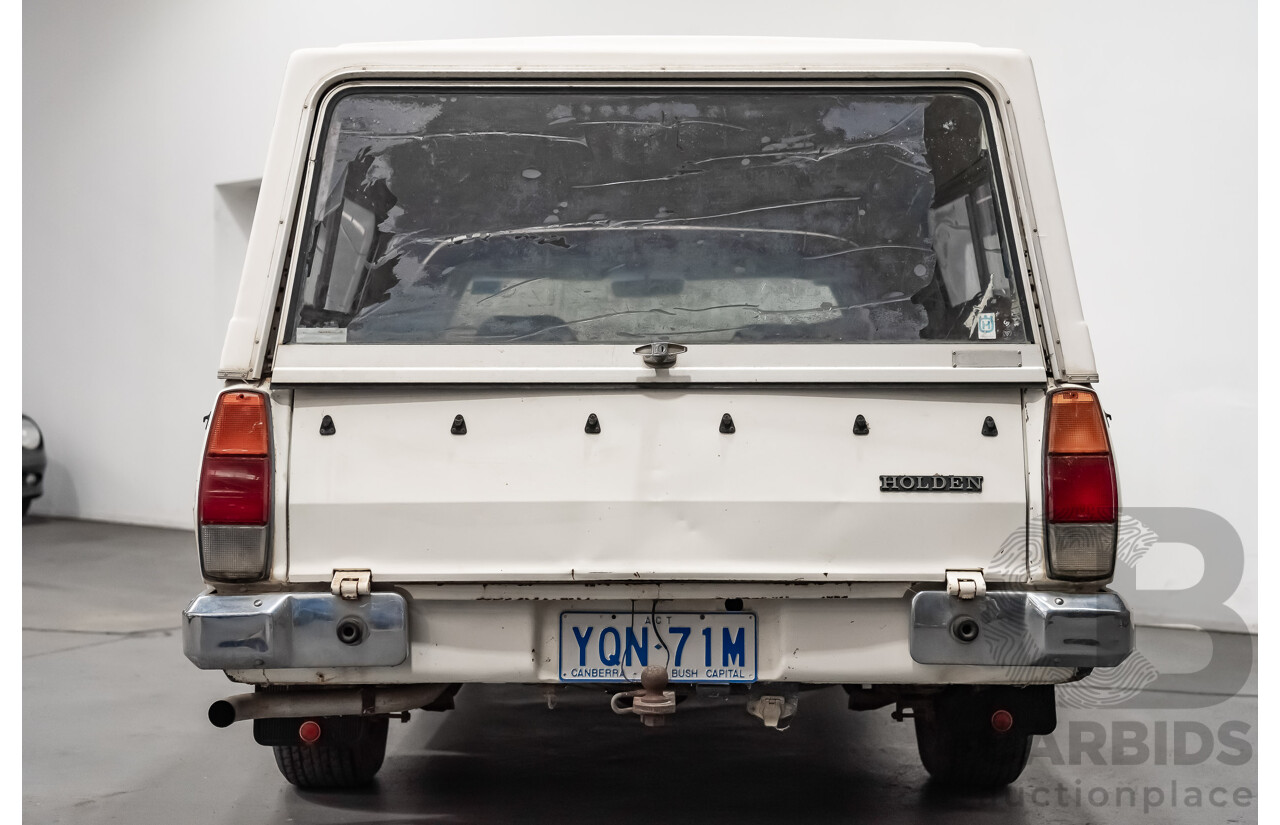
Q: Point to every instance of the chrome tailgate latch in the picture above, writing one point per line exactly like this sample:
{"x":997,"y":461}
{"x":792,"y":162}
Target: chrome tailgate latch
{"x":350,"y":584}
{"x":660,"y":354}
{"x":966,"y":584}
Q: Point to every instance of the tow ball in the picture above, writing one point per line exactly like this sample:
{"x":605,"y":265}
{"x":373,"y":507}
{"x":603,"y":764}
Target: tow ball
{"x":653,"y":704}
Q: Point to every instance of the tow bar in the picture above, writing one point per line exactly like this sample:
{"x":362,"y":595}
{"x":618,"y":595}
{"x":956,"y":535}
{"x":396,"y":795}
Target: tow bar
{"x":653,"y":704}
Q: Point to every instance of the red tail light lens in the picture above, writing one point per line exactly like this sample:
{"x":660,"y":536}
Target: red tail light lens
{"x":1080,"y":488}
{"x":234,"y":506}
{"x":235,"y":490}
{"x":1081,"y":497}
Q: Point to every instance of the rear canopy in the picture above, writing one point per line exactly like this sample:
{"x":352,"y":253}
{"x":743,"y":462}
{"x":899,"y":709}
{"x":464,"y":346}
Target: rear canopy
{"x":727,"y":216}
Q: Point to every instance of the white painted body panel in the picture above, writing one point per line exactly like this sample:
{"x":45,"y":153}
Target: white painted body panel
{"x":660,"y":493}
{"x":706,"y":363}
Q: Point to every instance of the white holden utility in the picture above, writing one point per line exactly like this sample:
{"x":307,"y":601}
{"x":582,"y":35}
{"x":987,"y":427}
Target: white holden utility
{"x":668,"y":368}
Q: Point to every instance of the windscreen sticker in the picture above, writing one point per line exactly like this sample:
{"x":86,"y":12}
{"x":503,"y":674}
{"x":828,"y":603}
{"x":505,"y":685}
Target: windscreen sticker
{"x":321,"y":335}
{"x":987,"y":325}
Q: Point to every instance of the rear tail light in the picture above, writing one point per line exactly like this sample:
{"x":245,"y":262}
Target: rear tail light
{"x":234,"y":507}
{"x":1082,"y":502}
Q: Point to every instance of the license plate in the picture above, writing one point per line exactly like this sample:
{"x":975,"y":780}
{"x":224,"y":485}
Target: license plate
{"x":693,"y":647}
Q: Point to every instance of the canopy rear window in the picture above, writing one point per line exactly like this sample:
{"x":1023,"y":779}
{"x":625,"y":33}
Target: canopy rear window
{"x":715,"y":216}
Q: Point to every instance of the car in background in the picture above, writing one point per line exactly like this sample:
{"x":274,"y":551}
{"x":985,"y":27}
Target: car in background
{"x":33,"y":462}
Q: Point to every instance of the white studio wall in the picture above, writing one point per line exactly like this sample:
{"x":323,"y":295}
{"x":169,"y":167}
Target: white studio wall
{"x":145,"y":126}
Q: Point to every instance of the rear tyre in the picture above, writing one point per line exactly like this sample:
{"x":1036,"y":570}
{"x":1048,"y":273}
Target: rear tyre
{"x":344,"y":765}
{"x":964,"y":760}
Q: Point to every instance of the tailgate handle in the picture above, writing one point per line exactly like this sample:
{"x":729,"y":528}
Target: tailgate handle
{"x":660,"y":353}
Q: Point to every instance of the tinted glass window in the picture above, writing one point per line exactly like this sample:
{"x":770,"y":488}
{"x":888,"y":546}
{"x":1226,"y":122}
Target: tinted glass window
{"x":781,"y":216}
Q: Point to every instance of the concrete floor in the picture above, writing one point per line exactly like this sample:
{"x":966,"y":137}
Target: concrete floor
{"x":114,"y":730}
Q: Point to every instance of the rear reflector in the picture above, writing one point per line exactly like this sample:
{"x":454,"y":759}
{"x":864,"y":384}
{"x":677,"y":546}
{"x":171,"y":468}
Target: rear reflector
{"x":309,"y":732}
{"x":234,"y":505}
{"x":1081,"y":497}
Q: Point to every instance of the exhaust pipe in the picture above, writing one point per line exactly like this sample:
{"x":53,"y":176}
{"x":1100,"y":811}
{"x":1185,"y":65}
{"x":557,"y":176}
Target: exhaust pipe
{"x":356,"y":701}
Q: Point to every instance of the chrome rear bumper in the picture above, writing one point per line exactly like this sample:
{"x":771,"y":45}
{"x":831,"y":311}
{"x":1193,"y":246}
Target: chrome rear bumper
{"x":1020,"y":628}
{"x":295,"y":630}
{"x":292,"y":638}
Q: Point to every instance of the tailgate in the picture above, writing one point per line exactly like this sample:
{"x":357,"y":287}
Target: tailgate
{"x":660,"y":493}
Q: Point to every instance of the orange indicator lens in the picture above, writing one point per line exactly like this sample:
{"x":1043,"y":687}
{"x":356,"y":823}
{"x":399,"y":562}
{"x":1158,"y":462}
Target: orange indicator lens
{"x":239,"y":425}
{"x":1075,"y":424}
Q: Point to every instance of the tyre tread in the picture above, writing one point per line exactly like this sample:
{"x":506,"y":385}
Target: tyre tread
{"x":985,"y":762}
{"x":335,"y":766}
